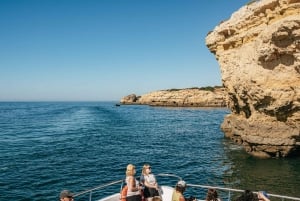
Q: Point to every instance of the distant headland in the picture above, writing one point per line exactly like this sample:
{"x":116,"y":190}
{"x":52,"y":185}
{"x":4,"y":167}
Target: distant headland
{"x":189,"y":97}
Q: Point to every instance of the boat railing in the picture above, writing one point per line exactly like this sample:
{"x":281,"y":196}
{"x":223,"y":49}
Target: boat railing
{"x":169,"y":175}
{"x":229,"y":191}
{"x":92,"y":190}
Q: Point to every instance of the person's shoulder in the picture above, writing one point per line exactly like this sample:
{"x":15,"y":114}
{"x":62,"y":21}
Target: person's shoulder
{"x":182,"y":198}
{"x":130,"y":177}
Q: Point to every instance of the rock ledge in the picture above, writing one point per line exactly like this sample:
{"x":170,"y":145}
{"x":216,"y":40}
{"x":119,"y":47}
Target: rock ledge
{"x":180,"y":98}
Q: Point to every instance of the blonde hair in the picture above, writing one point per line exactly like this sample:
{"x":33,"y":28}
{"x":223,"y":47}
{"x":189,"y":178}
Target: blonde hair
{"x":130,"y":170}
{"x":144,"y":168}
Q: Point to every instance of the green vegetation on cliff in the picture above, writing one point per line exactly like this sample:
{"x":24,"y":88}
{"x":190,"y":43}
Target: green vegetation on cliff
{"x":208,"y":88}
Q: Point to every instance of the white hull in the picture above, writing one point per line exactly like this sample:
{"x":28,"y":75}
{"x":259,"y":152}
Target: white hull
{"x":166,"y":195}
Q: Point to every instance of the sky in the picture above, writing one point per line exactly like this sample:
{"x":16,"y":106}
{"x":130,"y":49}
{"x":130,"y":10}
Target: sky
{"x":103,"y":50}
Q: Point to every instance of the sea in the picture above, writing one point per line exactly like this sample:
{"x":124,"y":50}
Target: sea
{"x":46,"y":147}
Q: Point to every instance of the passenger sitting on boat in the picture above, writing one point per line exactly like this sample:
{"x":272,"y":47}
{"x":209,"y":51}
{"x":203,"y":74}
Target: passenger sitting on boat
{"x":149,"y":181}
{"x":247,"y":196}
{"x":133,"y":192}
{"x":178,"y":191}
{"x":262,"y":195}
{"x":212,"y":195}
{"x":66,"y":195}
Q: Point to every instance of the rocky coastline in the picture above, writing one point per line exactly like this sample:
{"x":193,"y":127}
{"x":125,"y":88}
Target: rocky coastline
{"x":258,"y":50}
{"x":192,"y":97}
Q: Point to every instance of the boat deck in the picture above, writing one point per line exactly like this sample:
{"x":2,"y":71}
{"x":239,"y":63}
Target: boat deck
{"x":166,"y":195}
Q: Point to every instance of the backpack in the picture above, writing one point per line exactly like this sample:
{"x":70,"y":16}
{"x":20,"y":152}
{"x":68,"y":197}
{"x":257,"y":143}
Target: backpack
{"x":123,"y":193}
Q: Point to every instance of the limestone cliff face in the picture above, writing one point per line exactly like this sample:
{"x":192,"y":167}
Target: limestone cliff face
{"x":258,"y":50}
{"x":180,"y":98}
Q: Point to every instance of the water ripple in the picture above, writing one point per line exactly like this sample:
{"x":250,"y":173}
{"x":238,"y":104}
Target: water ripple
{"x":47,"y":147}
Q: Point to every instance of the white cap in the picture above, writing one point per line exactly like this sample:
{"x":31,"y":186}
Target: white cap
{"x":181,"y":183}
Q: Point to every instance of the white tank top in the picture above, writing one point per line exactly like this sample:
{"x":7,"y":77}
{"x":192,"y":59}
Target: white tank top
{"x":150,"y":179}
{"x":129,"y":191}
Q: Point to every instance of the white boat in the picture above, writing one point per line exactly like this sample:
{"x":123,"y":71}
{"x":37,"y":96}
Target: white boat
{"x":166,"y":192}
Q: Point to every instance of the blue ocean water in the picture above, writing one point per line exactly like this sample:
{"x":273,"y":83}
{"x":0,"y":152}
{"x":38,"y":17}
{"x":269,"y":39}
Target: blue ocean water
{"x":46,"y":147}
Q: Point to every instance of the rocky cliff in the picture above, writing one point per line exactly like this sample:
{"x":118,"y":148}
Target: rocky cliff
{"x":258,"y":50}
{"x":180,"y":98}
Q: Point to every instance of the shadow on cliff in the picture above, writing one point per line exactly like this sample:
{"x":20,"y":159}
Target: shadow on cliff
{"x":274,"y":59}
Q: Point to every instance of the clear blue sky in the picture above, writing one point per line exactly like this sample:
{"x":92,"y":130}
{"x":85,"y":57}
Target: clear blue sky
{"x":99,"y":50}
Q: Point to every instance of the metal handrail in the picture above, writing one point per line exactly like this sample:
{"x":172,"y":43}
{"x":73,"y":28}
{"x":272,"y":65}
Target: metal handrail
{"x":189,"y":185}
{"x":229,"y":189}
{"x":169,"y":175}
{"x":239,"y":190}
{"x":215,"y":187}
{"x":97,"y":188}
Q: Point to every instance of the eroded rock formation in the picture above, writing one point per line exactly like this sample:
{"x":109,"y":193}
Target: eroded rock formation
{"x":258,"y":50}
{"x":180,"y":98}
